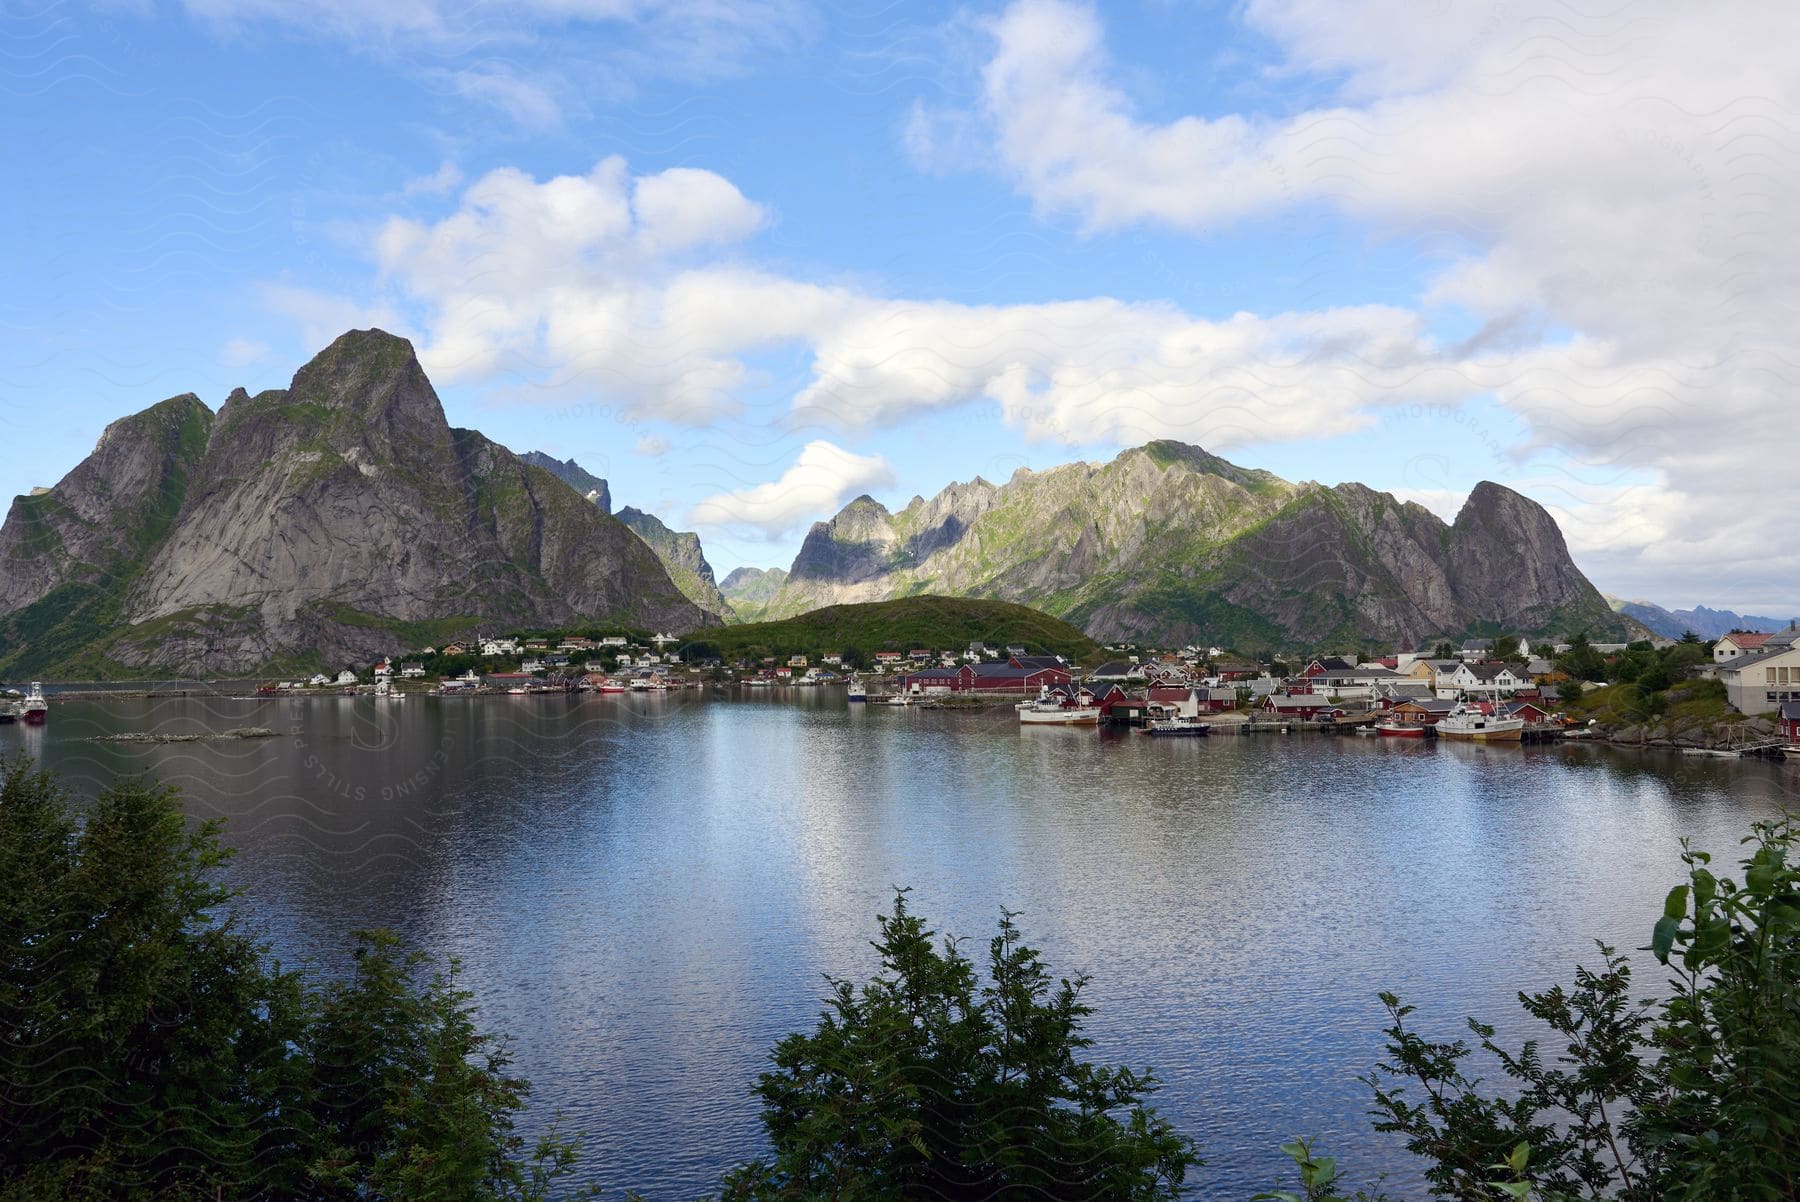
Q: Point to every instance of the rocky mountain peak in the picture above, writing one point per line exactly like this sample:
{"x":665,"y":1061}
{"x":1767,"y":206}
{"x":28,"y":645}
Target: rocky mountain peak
{"x":575,"y":476}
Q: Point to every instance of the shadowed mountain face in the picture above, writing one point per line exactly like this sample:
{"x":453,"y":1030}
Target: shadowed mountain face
{"x":681,"y":556}
{"x":333,"y":522}
{"x":1169,"y":543}
{"x":574,"y":475}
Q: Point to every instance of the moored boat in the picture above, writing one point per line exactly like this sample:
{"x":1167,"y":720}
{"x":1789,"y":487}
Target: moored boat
{"x":1468,"y":722}
{"x":1393,"y":728}
{"x":858,"y":691}
{"x":10,"y":702}
{"x":1178,"y":726}
{"x":34,"y":709}
{"x":1050,"y":710}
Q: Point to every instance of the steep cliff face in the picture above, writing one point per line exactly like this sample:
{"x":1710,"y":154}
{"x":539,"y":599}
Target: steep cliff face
{"x":1168,"y":542}
{"x":343,"y":518}
{"x":69,"y":554}
{"x":682,"y":558}
{"x":574,"y":475}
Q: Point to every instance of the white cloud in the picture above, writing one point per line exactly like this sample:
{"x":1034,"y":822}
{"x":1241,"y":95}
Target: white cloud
{"x":1626,"y":175}
{"x":602,"y":47}
{"x":624,"y":289}
{"x":652,"y":446}
{"x":445,"y":180}
{"x":818,"y":482}
{"x":241,"y":352}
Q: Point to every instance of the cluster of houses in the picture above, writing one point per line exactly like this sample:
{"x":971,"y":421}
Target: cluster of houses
{"x":1760,"y":672}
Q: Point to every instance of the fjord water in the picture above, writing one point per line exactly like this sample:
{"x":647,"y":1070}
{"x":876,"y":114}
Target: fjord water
{"x":645,"y":891}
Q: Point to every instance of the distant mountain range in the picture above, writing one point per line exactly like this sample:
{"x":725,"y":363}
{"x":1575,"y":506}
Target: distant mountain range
{"x":332,"y":522}
{"x":342,"y":519}
{"x":1707,"y":623}
{"x":1167,"y":543}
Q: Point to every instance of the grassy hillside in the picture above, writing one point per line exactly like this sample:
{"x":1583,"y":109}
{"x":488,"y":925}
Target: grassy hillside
{"x":938,"y":623}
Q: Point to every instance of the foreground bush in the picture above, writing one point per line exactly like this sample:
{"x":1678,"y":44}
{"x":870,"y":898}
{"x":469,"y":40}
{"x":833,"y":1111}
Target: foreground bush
{"x":1691,"y":1098}
{"x":150,"y":1048}
{"x":927,"y":1083}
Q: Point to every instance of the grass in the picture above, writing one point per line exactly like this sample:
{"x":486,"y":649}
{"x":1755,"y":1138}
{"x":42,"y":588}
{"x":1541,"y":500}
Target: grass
{"x":938,"y":623}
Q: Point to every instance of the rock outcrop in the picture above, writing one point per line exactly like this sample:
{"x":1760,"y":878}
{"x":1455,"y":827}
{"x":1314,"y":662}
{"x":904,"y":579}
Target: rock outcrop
{"x":682,"y":558}
{"x":335,"y":521}
{"x":1170,"y":543}
{"x":574,"y":475}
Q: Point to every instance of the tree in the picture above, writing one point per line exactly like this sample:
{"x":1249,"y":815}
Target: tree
{"x":1443,"y":651}
{"x":1687,"y":1099}
{"x":927,"y":1083}
{"x":150,"y":1048}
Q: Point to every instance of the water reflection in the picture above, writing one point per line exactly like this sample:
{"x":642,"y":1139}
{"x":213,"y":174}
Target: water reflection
{"x":647,"y":889}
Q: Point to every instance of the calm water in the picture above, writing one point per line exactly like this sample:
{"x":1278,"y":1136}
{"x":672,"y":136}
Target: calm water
{"x":646,"y":891}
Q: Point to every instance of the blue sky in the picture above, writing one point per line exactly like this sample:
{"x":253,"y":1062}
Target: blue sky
{"x":879,"y":249}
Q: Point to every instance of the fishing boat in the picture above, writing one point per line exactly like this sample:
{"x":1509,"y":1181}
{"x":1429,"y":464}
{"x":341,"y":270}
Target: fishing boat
{"x":1394,"y":728}
{"x":610,"y":685}
{"x":858,"y":691}
{"x":1049,"y":710}
{"x":34,"y":709}
{"x":1178,"y":726}
{"x":1468,"y":722}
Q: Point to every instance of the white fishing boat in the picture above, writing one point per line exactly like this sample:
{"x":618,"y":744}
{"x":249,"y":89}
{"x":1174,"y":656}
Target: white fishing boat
{"x":1395,"y":728}
{"x":1178,"y":726}
{"x":1050,"y":710}
{"x":34,"y":709}
{"x":1468,"y":722}
{"x":858,"y":691}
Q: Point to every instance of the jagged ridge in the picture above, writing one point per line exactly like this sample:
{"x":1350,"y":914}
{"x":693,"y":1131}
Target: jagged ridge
{"x":1168,"y":542}
{"x":334,"y":521}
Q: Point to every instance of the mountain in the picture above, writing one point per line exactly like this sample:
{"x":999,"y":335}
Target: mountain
{"x":1169,"y":543}
{"x":333,"y":522}
{"x":749,"y":590}
{"x":574,"y":475}
{"x":681,"y":556}
{"x":1707,"y":623}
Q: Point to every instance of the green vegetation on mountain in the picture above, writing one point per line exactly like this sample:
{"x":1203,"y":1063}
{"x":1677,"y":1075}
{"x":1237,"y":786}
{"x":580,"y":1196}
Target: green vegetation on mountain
{"x":681,"y":556}
{"x":336,"y":521}
{"x":1168,"y":543}
{"x":934,"y":623}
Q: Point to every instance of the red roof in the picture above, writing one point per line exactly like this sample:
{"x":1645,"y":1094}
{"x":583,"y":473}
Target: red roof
{"x":1748,"y":640}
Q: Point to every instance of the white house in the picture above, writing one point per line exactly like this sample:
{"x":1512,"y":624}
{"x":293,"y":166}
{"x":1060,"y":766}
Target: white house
{"x":531,"y":665}
{"x":319,"y":678}
{"x":1737,"y":645}
{"x":1476,"y":649}
{"x":614,"y":640}
{"x":1482,"y":680}
{"x":383,"y":669}
{"x":412,"y":671}
{"x":663,"y":640}
{"x":834,"y":659}
{"x":346,"y":677}
{"x":1759,"y":683}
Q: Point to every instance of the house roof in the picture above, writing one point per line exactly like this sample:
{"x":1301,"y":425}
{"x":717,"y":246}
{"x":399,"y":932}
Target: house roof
{"x":1790,"y":711}
{"x":1115,"y":667}
{"x":1763,"y":656}
{"x":1487,"y":672}
{"x":1430,"y":704}
{"x":1748,"y":640}
{"x":1298,"y":701}
{"x":1478,"y":645}
{"x":1036,"y":661}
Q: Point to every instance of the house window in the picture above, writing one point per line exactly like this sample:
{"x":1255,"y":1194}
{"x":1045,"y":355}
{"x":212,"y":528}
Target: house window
{"x":1769,"y":696}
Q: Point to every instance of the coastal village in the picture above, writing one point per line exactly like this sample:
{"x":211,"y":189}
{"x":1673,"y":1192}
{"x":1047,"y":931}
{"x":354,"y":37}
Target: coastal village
{"x":1508,"y":689}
